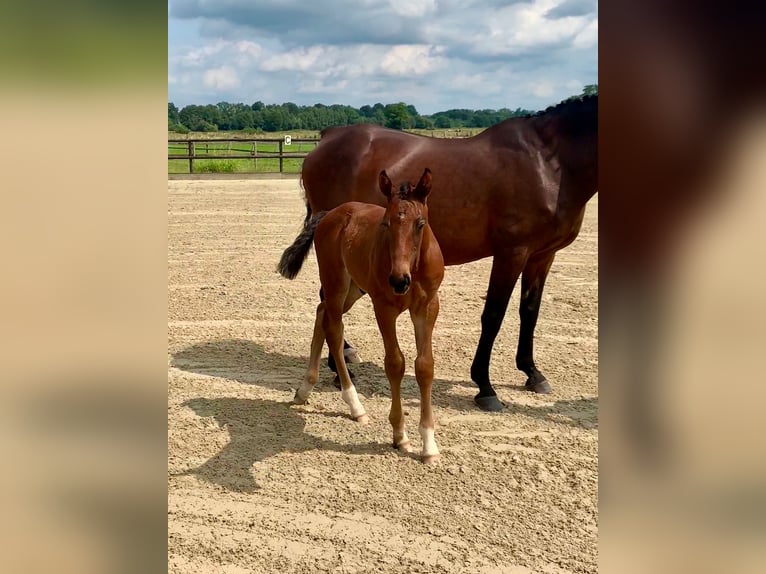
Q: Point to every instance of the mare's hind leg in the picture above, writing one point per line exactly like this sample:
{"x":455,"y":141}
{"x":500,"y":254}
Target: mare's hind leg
{"x":505,"y":272}
{"x":394,"y":363}
{"x":423,"y":319}
{"x":333,"y":328}
{"x":312,"y":373}
{"x":350,"y":354}
{"x":532,"y":284}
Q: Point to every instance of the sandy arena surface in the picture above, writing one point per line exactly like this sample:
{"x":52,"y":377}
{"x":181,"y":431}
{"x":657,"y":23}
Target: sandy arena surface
{"x":258,"y":485}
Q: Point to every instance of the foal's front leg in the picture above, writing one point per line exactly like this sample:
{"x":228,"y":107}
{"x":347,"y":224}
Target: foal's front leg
{"x":424,"y":318}
{"x":394,"y":362}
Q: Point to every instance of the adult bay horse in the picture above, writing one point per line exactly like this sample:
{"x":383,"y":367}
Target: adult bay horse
{"x":392,"y":254}
{"x":516,"y":191}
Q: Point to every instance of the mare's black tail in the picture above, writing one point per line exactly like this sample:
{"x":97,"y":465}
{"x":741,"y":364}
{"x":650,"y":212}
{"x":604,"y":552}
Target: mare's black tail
{"x":293,"y":257}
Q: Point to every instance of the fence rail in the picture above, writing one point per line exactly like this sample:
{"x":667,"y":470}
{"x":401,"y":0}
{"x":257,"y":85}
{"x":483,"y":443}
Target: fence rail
{"x":237,"y":149}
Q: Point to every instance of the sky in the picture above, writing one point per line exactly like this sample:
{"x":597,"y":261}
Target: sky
{"x":433,"y":54}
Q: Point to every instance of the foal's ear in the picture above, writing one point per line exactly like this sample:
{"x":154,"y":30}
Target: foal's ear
{"x":424,"y":186}
{"x":385,"y":184}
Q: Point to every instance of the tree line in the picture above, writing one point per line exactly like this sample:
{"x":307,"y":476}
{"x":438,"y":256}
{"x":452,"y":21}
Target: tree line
{"x":226,"y":116}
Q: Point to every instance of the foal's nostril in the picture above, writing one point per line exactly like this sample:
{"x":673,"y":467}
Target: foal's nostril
{"x":400,"y":284}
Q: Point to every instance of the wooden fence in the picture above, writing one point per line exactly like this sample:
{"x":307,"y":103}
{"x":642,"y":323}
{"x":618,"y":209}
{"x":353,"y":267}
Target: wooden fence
{"x":238,"y":149}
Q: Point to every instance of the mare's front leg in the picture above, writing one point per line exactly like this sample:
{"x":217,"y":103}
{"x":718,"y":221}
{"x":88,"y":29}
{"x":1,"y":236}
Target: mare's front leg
{"x":394,"y":364}
{"x":312,"y":373}
{"x":333,"y":328}
{"x":505,"y":272}
{"x":532,"y":284}
{"x":423,"y":318}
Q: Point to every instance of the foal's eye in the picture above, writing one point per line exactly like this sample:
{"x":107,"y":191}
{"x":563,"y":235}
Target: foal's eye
{"x":421,"y":223}
{"x":384,"y":223}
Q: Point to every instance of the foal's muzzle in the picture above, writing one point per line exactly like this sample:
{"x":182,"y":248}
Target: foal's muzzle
{"x":400,"y":284}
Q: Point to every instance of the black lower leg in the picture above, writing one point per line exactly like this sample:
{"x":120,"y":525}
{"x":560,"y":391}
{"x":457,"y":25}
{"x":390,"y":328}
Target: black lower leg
{"x":331,"y":361}
{"x":532,"y":283}
{"x":502,"y":280}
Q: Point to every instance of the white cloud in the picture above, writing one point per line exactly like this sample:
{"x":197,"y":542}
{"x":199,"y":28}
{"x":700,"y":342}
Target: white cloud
{"x":521,"y":28}
{"x":294,"y":60}
{"x":223,"y":78}
{"x":247,"y":52}
{"x":411,"y":59}
{"x":542,"y":89}
{"x":588,"y":37}
{"x":412,"y":8}
{"x":199,"y":56}
{"x":320,"y":87}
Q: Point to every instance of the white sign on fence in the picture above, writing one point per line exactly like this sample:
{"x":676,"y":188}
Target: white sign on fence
{"x":288,"y":140}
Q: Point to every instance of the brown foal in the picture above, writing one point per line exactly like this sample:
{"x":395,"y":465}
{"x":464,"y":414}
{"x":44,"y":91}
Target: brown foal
{"x":391,"y":254}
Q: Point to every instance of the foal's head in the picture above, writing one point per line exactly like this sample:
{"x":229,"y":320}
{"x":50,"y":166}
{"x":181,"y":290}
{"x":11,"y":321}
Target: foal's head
{"x":406,"y":217}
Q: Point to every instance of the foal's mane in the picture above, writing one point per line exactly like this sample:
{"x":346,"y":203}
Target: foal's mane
{"x":404,"y":191}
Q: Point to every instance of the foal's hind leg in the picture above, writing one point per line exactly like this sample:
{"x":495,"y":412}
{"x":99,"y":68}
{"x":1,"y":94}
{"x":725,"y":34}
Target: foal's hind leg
{"x":423,"y":319}
{"x":532,"y":284}
{"x":333,"y":329}
{"x":394,"y":363}
{"x":312,"y":373}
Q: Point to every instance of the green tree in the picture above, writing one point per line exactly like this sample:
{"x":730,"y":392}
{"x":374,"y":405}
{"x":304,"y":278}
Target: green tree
{"x":173,"y":116}
{"x":397,"y":116}
{"x":590,"y":90}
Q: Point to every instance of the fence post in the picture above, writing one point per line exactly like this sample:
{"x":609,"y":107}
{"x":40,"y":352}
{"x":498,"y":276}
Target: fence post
{"x":281,"y":159}
{"x":190,"y":145}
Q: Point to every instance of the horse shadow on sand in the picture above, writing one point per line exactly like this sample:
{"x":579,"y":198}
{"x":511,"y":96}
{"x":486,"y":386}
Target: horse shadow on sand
{"x":249,"y":363}
{"x":259,"y":429}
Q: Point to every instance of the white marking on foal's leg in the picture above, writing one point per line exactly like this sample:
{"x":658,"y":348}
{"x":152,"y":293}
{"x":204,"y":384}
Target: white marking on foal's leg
{"x":403,"y":443}
{"x":302,"y":394}
{"x":430,"y":450}
{"x":350,"y":397}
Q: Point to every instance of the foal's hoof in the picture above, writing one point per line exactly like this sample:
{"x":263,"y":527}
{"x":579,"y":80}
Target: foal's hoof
{"x":431,"y":458}
{"x":362,"y":419}
{"x":299,"y":401}
{"x":541,"y":387}
{"x":404,"y":447}
{"x":351,"y":356}
{"x":489,"y":403}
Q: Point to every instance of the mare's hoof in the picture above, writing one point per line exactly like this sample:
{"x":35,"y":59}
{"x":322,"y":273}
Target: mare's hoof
{"x":489,"y":403}
{"x":541,"y":387}
{"x":336,"y":380}
{"x":405,"y":447}
{"x":431,"y":458}
{"x":351,"y":356}
{"x":362,"y":419}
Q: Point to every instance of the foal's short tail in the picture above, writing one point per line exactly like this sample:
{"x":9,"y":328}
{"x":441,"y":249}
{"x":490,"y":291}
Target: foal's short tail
{"x":293,"y":257}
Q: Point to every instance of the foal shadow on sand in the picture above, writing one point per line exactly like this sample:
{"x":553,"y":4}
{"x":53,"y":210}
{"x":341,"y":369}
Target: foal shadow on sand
{"x":249,"y":363}
{"x":258,"y":429}
{"x":261,"y":428}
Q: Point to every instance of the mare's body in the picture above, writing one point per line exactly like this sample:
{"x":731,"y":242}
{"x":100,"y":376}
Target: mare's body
{"x":516,"y":192}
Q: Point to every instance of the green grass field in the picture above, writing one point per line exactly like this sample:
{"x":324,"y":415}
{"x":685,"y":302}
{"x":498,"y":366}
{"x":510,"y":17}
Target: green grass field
{"x":255,"y":164}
